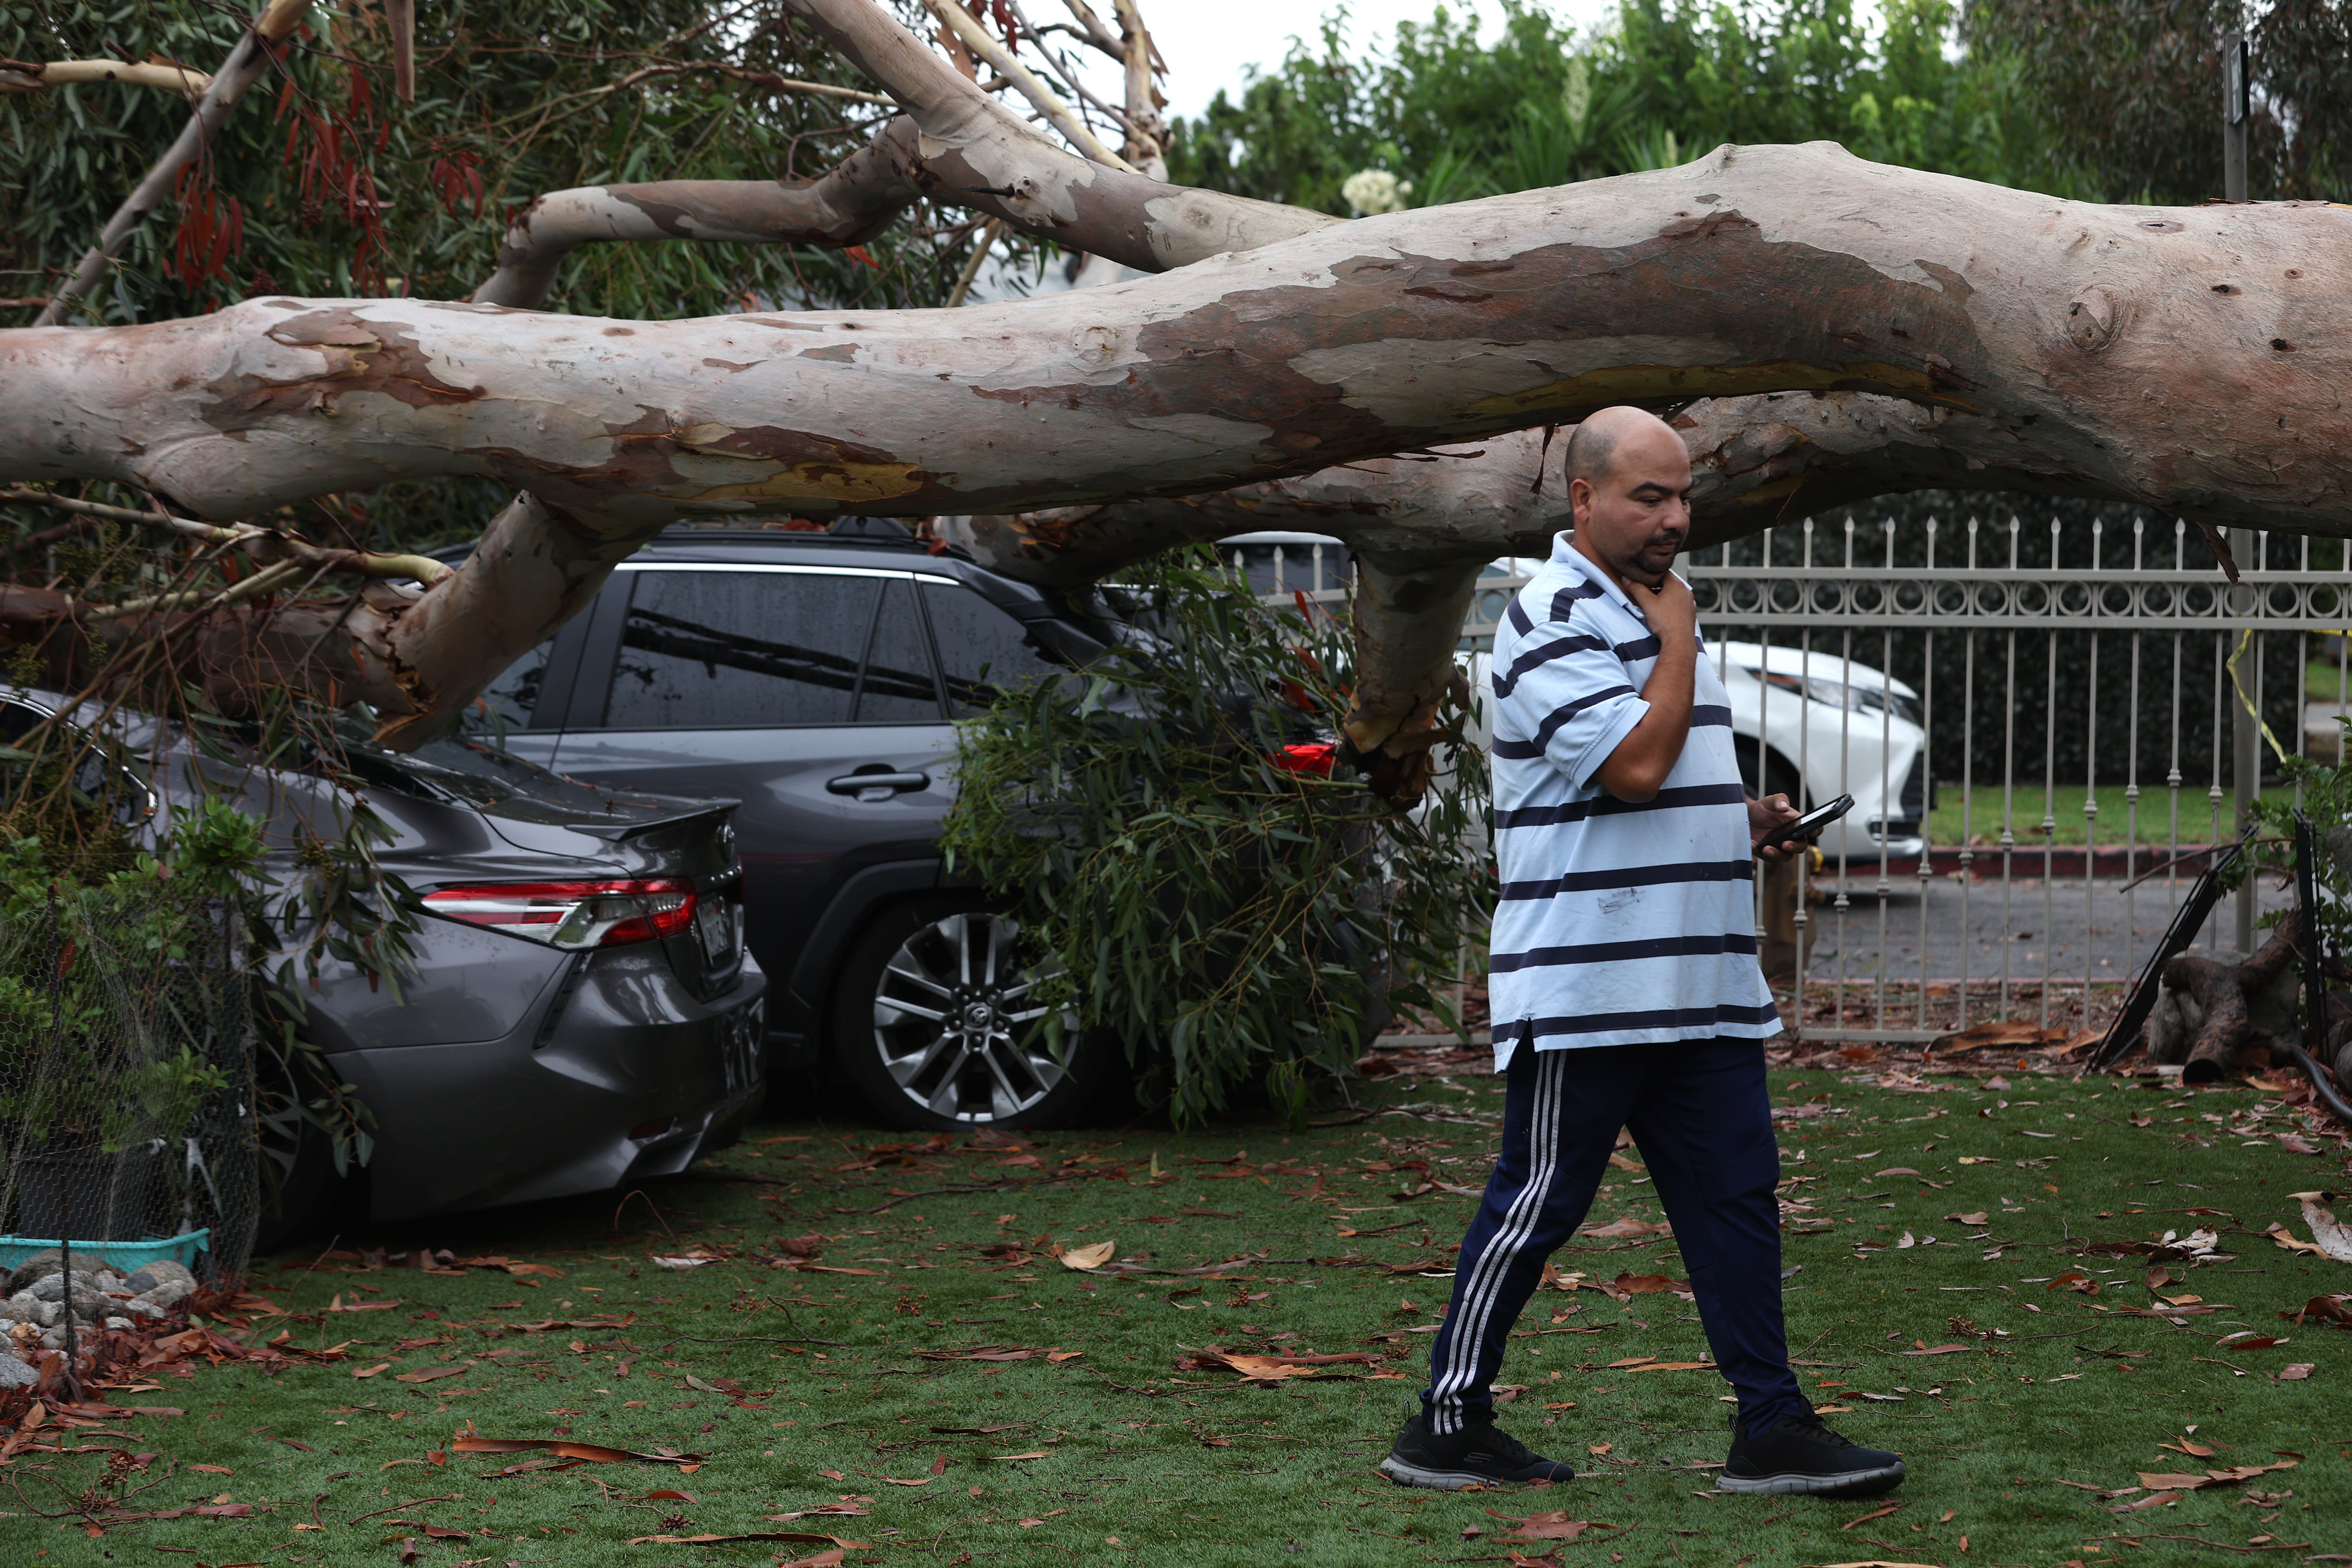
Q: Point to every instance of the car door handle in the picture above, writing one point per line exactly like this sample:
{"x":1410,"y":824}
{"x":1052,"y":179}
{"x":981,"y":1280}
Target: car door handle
{"x":871,"y":787}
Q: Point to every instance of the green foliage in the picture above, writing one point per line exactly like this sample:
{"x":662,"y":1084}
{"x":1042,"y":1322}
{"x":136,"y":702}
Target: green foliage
{"x":1229,"y":919}
{"x":2326,"y":791}
{"x":323,"y":184}
{"x":80,"y":1075}
{"x":2133,"y":92}
{"x":1537,"y":105}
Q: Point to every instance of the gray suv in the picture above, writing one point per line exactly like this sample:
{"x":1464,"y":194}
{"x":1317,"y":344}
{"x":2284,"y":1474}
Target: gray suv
{"x":817,"y":677}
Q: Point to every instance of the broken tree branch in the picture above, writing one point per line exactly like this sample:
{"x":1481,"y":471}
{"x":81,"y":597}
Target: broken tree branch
{"x":974,"y":151}
{"x":975,"y":38}
{"x":26,"y":75}
{"x":246,"y":63}
{"x":263,"y":545}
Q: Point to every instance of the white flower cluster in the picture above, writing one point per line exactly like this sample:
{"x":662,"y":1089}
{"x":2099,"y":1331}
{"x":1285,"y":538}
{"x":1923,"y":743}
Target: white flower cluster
{"x":1371,"y":191}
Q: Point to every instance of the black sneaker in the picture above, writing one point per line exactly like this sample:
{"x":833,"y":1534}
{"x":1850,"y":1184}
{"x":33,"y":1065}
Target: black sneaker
{"x":1481,"y":1455}
{"x":1803,"y":1455}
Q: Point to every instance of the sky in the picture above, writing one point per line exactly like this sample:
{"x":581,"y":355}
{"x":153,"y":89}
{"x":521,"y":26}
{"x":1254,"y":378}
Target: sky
{"x":1207,"y":42}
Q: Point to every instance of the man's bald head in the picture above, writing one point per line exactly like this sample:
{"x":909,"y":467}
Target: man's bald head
{"x":1629,"y":484}
{"x":1592,"y":445}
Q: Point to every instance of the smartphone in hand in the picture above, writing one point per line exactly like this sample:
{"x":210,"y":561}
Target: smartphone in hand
{"x":1806,"y":826}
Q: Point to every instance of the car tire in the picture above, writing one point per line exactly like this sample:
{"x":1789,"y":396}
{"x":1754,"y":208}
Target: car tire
{"x":300,"y":1191}
{"x":1781,"y":776}
{"x":930,"y":1023}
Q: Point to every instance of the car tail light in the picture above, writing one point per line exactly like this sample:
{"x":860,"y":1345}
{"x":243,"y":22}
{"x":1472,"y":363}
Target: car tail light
{"x":1316,"y":758}
{"x":572,"y":915}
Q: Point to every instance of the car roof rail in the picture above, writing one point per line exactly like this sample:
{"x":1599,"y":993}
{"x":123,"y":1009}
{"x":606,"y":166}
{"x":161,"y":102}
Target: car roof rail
{"x":868,"y":533}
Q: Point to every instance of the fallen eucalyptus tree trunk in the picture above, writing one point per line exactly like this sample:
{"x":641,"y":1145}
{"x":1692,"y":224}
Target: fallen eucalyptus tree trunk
{"x":2180,"y":358}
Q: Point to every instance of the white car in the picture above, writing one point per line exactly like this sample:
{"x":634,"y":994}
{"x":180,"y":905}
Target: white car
{"x":1822,"y":726}
{"x":1813,"y":726}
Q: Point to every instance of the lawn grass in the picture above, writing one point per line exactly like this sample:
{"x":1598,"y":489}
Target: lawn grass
{"x":2026,"y":803}
{"x":1146,"y":1464}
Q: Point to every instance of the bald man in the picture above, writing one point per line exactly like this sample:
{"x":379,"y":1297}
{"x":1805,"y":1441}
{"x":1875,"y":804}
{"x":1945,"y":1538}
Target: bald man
{"x":1623,"y":984}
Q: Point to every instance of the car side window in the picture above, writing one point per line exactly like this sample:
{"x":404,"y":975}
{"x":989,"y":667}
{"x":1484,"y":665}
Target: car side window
{"x":898,"y":687}
{"x":513,"y":697}
{"x":981,"y":649}
{"x":717,"y":649}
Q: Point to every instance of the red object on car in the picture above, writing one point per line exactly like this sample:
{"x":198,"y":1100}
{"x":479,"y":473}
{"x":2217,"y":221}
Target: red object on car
{"x":1316,"y":758}
{"x":573,"y":913}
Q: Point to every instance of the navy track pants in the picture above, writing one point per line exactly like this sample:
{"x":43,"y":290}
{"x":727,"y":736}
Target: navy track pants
{"x":1702,"y":1120}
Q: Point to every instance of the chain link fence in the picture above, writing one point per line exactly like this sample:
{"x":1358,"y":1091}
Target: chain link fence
{"x":128,"y":1126}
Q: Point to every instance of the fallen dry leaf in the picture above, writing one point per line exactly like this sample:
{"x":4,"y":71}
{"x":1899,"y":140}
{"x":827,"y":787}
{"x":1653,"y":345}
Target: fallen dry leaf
{"x":1553,"y":1526}
{"x":830,"y":1510}
{"x":2165,"y":1480}
{"x":213,"y":1470}
{"x":801,"y":1537}
{"x":1977,"y":1218}
{"x":1938,"y":1349}
{"x":1272,"y":1368}
{"x":1674,"y":1366}
{"x":545,"y":1324}
{"x":1011,"y":1458}
{"x":371,"y":1371}
{"x":2335,"y":1310}
{"x":998,"y":1353}
{"x":681,"y":1261}
{"x":1089,"y":1257}
{"x":564,"y":1447}
{"x":1651,"y":1284}
{"x":2011,"y":1036}
{"x":2296,"y":1372}
{"x":433,"y":1374}
{"x":1878,"y":1513}
{"x":2335,"y":1239}
{"x":1627,"y":1228}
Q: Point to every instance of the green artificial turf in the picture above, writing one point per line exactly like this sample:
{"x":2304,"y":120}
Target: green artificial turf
{"x":1142,"y":1462}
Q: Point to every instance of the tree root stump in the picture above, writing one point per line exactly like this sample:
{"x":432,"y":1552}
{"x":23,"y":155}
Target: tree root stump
{"x":2229,"y":1016}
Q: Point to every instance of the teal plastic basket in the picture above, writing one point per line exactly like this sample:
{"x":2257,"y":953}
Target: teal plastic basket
{"x":124,"y":1257}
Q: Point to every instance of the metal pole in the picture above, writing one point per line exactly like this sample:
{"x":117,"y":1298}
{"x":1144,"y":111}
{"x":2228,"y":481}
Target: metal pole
{"x":2237,"y":96}
{"x":2246,"y":758}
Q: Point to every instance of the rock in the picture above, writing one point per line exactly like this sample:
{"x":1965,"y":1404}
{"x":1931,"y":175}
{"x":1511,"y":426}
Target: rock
{"x":168,"y":1293}
{"x":53,"y":1339}
{"x":18,"y":1307}
{"x":47,"y":1288}
{"x":138,"y":1309}
{"x":162,"y":1271}
{"x":39,"y":1264}
{"x":117,"y":1322}
{"x":15,"y":1374}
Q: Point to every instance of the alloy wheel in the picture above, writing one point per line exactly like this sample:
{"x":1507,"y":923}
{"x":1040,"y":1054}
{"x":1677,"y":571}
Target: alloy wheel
{"x":956,"y":1023}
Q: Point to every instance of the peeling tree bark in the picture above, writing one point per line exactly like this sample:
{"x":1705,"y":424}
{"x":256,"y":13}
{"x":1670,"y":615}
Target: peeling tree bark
{"x":2179,"y":359}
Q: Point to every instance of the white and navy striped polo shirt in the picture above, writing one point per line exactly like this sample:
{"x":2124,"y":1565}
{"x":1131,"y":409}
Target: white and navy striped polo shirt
{"x":1618,"y":924}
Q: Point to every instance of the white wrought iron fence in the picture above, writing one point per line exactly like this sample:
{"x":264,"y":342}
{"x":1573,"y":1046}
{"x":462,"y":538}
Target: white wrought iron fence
{"x":2046,"y":726}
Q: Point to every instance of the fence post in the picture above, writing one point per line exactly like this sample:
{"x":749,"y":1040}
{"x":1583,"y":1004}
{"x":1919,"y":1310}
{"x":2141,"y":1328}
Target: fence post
{"x":2246,"y":762}
{"x":2247,"y":758}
